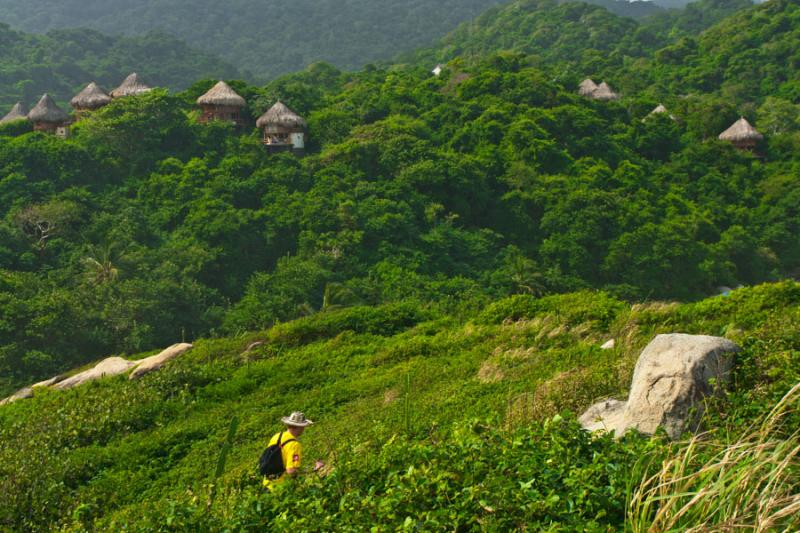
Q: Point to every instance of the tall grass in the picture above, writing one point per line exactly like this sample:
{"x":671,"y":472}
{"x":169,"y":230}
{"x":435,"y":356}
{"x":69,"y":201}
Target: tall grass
{"x":751,"y":484}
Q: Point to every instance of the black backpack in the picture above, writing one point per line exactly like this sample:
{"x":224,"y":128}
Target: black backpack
{"x":271,"y":462}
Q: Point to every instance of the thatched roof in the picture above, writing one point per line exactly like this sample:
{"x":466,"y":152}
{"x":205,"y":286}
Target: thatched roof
{"x":587,"y":87}
{"x":741,"y":131}
{"x":221,"y":94}
{"x":659,"y":110}
{"x":130,"y":87}
{"x":280,"y":115}
{"x":47,"y":111}
{"x":18,"y":112}
{"x":92,"y":97}
{"x":604,"y":92}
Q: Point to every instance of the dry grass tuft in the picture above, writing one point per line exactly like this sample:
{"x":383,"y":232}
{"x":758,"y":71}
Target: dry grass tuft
{"x":752,"y":484}
{"x":490,"y":372}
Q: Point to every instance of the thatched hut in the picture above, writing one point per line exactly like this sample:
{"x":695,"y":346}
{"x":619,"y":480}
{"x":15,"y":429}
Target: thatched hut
{"x":221,"y":103}
{"x":46,"y":116}
{"x":18,"y":112}
{"x":742,"y":135}
{"x":587,"y":87}
{"x":132,"y":86}
{"x":604,"y":93}
{"x":283,"y":129}
{"x":89,"y":99}
{"x":659,"y":110}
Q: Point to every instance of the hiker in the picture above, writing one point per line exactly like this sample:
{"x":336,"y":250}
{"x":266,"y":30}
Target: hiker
{"x":284,"y":452}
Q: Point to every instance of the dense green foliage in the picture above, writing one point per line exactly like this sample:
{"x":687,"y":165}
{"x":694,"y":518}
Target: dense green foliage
{"x":580,"y":38}
{"x":63,"y":62}
{"x":266,"y":37}
{"x":491,"y":179}
{"x":431,"y":283}
{"x":430,"y":420}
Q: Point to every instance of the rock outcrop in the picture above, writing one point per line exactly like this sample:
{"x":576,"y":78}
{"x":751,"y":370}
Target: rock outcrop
{"x":674,"y":373}
{"x":48,"y":382}
{"x":608,"y":345}
{"x":21,"y":394}
{"x":155,"y":362}
{"x":112,"y":366}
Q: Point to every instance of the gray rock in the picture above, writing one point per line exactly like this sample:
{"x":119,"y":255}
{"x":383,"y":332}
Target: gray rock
{"x":22,"y":394}
{"x":673,"y":375}
{"x":608,"y":345}
{"x":155,"y":362}
{"x":111,"y":366}
{"x":48,"y":382}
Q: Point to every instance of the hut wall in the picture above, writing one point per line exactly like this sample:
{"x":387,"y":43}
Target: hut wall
{"x":277,"y":135}
{"x":213,"y":112}
{"x":47,"y":127}
{"x":748,"y":144}
{"x":298,"y":140}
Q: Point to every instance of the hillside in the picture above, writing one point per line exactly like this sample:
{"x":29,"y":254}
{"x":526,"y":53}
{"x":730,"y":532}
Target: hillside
{"x":578,"y":36}
{"x":266,"y":37}
{"x":489,"y":181}
{"x":431,"y":280}
{"x":431,"y":419}
{"x":737,"y":58}
{"x":62,"y":63}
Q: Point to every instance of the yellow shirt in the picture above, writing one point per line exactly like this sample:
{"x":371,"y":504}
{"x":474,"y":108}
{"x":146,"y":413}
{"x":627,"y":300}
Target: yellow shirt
{"x":291,"y":453}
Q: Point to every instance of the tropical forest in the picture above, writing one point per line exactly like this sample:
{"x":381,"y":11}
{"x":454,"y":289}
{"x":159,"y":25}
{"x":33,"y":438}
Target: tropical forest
{"x":529,"y":265}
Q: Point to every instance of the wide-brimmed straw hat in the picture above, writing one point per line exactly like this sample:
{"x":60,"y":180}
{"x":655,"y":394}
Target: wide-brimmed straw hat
{"x":296,"y":419}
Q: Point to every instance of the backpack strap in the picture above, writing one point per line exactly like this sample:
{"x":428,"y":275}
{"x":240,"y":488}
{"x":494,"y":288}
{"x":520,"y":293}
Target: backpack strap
{"x":285,"y":442}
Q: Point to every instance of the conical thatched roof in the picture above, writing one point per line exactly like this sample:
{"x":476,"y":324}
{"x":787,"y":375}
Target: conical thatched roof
{"x":92,"y":97}
{"x":604,"y":92}
{"x":18,"y":112}
{"x":47,"y":111}
{"x":741,"y":131}
{"x":280,"y":115}
{"x":130,"y":87}
{"x":221,"y":94}
{"x":587,"y":87}
{"x":660,"y":109}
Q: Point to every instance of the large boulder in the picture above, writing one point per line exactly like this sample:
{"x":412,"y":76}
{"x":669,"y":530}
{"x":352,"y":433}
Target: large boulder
{"x":111,"y":366}
{"x":48,"y":382}
{"x":22,"y":394}
{"x":673,"y":375}
{"x":157,"y":361}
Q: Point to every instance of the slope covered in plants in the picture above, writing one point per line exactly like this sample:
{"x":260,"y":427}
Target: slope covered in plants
{"x":267,"y":37}
{"x":489,"y":181}
{"x":577,"y":36}
{"x":430,"y":417}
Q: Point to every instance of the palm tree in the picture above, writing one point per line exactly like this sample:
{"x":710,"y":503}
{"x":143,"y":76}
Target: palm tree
{"x":100,"y":263}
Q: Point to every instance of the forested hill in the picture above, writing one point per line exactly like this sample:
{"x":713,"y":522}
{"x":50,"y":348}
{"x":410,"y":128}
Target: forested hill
{"x":432,"y":282}
{"x":488,"y":180}
{"x":268,"y":37}
{"x":62,"y":62}
{"x":578,"y":36}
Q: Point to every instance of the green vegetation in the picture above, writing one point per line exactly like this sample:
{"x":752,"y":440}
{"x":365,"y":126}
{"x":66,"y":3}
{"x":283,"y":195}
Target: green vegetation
{"x":63,"y":62}
{"x":429,"y":418}
{"x":578,"y":37}
{"x":432,"y":283}
{"x":146,"y":227}
{"x":268,"y":38}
